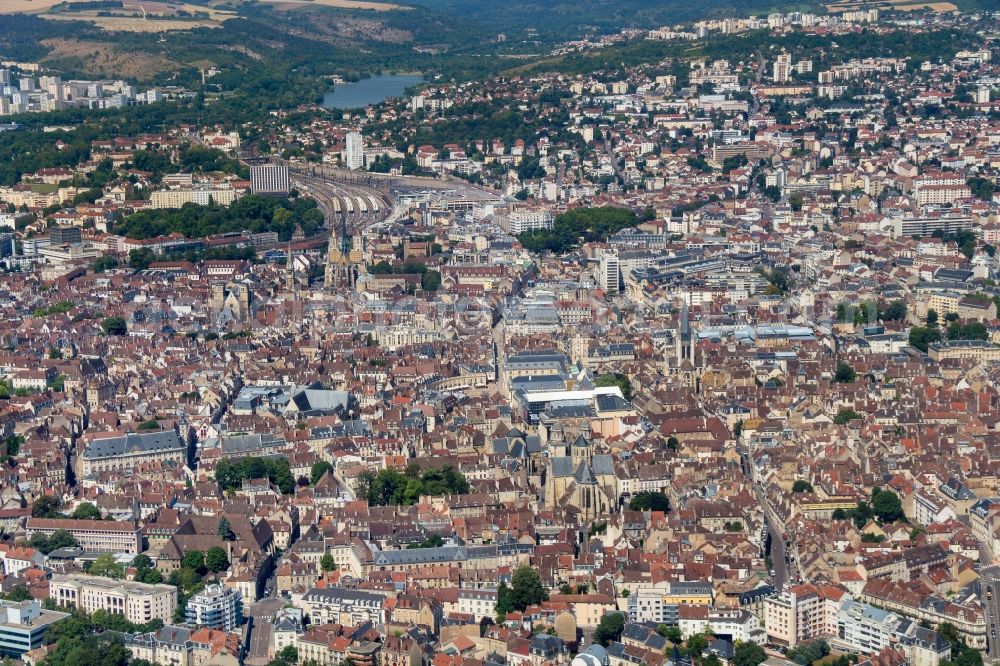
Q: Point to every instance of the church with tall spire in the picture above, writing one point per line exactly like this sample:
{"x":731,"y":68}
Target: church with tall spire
{"x":343,"y":260}
{"x":683,"y":365}
{"x":577,"y":479}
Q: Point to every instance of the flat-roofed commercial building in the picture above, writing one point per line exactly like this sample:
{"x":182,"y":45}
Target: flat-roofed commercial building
{"x":109,"y":536}
{"x":137,"y":602}
{"x":23,"y":626}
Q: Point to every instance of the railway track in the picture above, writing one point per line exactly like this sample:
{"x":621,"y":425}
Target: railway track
{"x":357,"y":206}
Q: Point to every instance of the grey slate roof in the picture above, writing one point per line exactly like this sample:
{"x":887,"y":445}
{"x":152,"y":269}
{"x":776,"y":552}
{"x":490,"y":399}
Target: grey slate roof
{"x":603,"y":465}
{"x":584,"y":475}
{"x":134,"y":443}
{"x":251,"y":443}
{"x":561,"y":466}
{"x":337,"y":595}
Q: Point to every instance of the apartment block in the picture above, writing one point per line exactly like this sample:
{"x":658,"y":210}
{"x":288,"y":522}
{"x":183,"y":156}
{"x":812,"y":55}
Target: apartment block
{"x":199,"y":196}
{"x":802,"y":613}
{"x":343,"y":606}
{"x":216,"y":607}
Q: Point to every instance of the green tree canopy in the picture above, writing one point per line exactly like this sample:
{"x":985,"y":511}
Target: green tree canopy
{"x":106,"y":565}
{"x":895,"y":311}
{"x":231,"y":473}
{"x":194,"y":560}
{"x":318,"y":469}
{"x":18,"y":593}
{"x":588,"y":224}
{"x":609,"y":629}
{"x":142,"y":561}
{"x":526,"y":588}
{"x":392,"y":487}
{"x":845,"y":416}
{"x":249,"y":213}
{"x":887,"y":505}
{"x":216,"y":559}
{"x":225,"y":530}
{"x":806,"y":653}
{"x":982,"y":188}
{"x":845,"y":373}
{"x":287,"y":656}
{"x":616,"y":379}
{"x":649,"y":501}
{"x":505,"y":600}
{"x":87,"y":511}
{"x":696,"y":644}
{"x":748,"y":654}
{"x":114,"y":326}
{"x":327,"y":563}
{"x":62,"y":539}
{"x":105,"y":263}
{"x":46,"y":507}
{"x":433,"y":541}
{"x":923,"y":337}
{"x":140,"y":258}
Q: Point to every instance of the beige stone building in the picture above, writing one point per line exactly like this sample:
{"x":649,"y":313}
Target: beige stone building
{"x":121,"y":452}
{"x":100,"y":535}
{"x":137,"y":602}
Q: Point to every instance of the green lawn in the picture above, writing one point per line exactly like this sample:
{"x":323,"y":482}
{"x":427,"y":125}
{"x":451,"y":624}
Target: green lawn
{"x":44,"y":188}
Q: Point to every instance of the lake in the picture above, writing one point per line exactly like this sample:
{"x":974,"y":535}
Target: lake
{"x":369,"y":91}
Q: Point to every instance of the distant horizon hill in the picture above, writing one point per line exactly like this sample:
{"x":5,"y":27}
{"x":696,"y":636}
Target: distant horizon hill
{"x":566,"y":20}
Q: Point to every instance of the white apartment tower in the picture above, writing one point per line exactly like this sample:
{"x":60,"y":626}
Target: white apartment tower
{"x":354,"y":153}
{"x":783,"y":68}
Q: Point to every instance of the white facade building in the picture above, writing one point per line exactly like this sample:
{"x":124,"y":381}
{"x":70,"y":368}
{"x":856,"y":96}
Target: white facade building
{"x":354,"y":152}
{"x":269,"y":179}
{"x":216,"y":607}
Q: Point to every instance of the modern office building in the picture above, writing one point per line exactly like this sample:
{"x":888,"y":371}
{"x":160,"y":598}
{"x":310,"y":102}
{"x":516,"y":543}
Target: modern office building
{"x":23,"y":626}
{"x":269,"y":179}
{"x":215,"y":607}
{"x":137,"y":602}
{"x":65,"y":236}
{"x":8,"y":245}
